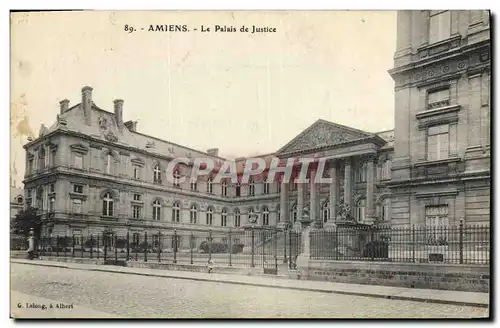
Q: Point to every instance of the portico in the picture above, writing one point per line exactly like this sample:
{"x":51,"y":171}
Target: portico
{"x":343,"y":157}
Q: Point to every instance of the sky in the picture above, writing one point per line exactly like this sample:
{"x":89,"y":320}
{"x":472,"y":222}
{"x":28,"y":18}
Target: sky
{"x":243,"y":93}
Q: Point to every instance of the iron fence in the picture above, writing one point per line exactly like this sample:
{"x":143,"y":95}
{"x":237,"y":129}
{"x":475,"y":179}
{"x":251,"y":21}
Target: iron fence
{"x":461,"y":244}
{"x":255,"y":247}
{"x":18,"y":242}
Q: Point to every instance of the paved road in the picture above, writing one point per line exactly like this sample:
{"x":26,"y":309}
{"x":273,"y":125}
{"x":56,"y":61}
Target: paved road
{"x":153,"y":297}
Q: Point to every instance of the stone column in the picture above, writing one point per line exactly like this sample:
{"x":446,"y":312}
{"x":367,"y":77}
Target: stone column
{"x":347,"y":182}
{"x":300,"y":200}
{"x":314,"y":201}
{"x":285,"y":212}
{"x":370,"y":187}
{"x":333,"y":192}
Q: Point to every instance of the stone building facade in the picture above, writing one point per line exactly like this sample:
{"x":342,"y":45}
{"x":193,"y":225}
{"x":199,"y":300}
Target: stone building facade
{"x":442,"y":72}
{"x":91,"y":172}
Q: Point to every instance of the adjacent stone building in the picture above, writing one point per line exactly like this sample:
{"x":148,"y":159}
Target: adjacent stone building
{"x":441,"y":165}
{"x":91,"y":172}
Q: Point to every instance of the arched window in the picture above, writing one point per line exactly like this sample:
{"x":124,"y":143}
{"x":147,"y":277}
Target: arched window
{"x":210,"y":213}
{"x":193,"y":214}
{"x":360,"y":209}
{"x":251,"y":187}
{"x":176,"y":212}
{"x":209,"y":185}
{"x":223,"y":218}
{"x":386,"y":209}
{"x":237,"y":220}
{"x":223,"y":189}
{"x":107,"y":204}
{"x":294,"y":213}
{"x":326,"y":211}
{"x":157,"y":174}
{"x":177,"y":177}
{"x":265,"y":216}
{"x":19,"y":200}
{"x":156,"y":210}
{"x":266,"y":187}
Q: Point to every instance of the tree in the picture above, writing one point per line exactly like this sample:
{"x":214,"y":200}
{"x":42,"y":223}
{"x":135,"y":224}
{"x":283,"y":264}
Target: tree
{"x":26,"y":220}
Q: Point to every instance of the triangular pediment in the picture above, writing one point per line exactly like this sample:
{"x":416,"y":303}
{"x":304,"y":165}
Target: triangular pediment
{"x":323,"y":134}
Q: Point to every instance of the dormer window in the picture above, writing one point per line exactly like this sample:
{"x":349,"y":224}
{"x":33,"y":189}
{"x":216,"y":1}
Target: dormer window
{"x":209,"y":185}
{"x":157,"y":174}
{"x":177,"y":177}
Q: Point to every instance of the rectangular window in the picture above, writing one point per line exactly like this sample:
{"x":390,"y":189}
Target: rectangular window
{"x":136,"y":211}
{"x":137,"y":173}
{"x":52,"y":202}
{"x":438,"y":142}
{"x":386,"y":170}
{"x":78,"y":161}
{"x":52,"y":188}
{"x":194,"y":186}
{"x":436,"y":223}
{"x":30,"y":166}
{"x":361,"y":173}
{"x":77,"y":237}
{"x":78,"y":189}
{"x":439,"y":26}
{"x":77,"y":206}
{"x":137,"y":197}
{"x":438,"y":98}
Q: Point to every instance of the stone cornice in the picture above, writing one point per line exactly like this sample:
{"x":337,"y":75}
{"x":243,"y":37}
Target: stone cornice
{"x":446,"y":193}
{"x":105,"y":180}
{"x":439,"y":57}
{"x":466,"y":176}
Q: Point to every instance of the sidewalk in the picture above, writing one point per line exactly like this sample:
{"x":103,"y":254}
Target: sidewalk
{"x":396,"y":293}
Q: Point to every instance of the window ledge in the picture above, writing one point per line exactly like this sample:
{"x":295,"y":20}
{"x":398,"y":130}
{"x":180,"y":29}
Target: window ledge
{"x":74,"y":195}
{"x":106,"y":217}
{"x":437,"y":162}
{"x":438,"y":111}
{"x":137,"y":202}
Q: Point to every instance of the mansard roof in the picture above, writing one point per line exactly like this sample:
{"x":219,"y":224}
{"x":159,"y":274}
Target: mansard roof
{"x":104,"y":126}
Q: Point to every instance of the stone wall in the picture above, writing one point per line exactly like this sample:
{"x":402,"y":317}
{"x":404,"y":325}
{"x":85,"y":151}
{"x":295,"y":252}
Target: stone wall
{"x":470,"y":278}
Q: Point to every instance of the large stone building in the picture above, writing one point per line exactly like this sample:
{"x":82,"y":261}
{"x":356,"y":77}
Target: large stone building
{"x":441,"y":165}
{"x":91,"y":172}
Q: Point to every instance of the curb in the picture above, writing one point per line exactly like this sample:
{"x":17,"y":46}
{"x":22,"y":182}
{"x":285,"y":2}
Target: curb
{"x":391,"y":297}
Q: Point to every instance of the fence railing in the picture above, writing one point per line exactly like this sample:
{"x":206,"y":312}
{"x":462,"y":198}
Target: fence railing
{"x":461,"y":244}
{"x":18,"y":242}
{"x":246,"y":248}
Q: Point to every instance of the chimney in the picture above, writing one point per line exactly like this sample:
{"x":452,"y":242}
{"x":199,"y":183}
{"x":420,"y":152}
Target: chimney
{"x":213,"y":152}
{"x":64,"y":105}
{"x":87,"y":104}
{"x":119,"y":112}
{"x":131,"y":125}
